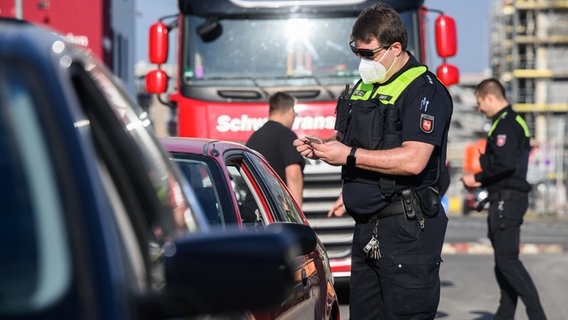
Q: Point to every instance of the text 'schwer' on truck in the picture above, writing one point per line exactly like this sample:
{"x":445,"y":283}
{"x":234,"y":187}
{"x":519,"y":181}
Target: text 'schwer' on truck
{"x":233,"y":54}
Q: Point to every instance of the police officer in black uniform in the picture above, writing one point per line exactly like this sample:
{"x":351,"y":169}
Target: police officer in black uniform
{"x":504,"y":169}
{"x":391,"y":134}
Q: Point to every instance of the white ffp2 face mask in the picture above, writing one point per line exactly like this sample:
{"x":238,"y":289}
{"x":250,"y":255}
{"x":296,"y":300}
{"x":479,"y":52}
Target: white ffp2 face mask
{"x":372,"y":71}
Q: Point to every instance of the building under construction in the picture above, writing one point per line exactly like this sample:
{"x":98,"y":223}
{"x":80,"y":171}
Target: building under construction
{"x":529,"y":53}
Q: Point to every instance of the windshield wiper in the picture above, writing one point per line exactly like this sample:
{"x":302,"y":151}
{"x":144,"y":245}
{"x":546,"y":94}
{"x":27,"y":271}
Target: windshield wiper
{"x":251,"y":79}
{"x":318,"y":82}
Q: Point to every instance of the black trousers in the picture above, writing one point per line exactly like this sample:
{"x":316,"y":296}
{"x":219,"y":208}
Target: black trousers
{"x":504,"y":229}
{"x":404,"y":283}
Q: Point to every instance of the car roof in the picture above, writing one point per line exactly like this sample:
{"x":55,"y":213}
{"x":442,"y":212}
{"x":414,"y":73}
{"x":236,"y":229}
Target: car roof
{"x":34,"y":43}
{"x":203,"y":146}
{"x":51,"y":55}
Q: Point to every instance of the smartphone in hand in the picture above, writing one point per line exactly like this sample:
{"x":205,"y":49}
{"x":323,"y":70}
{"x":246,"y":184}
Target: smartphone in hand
{"x":311,"y":140}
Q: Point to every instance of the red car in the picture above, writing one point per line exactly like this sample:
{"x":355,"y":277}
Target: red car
{"x":236,"y":186}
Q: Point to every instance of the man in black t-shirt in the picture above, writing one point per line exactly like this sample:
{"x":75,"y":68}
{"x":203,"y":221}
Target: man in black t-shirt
{"x":274,"y":140}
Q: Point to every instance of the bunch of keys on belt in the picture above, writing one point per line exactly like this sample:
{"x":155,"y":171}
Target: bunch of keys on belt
{"x":372,"y":248}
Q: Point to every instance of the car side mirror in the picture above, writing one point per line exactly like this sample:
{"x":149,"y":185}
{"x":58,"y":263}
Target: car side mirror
{"x":448,"y":74}
{"x":210,"y":30}
{"x":156,"y":81}
{"x":304,"y":235}
{"x":226,"y":272}
{"x":158,"y":43}
{"x":446,"y":36}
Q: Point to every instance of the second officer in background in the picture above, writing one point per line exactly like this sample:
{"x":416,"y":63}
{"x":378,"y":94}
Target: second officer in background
{"x":504,"y":169}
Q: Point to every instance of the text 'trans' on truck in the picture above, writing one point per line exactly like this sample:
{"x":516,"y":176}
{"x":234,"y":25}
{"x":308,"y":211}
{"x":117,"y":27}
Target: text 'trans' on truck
{"x":233,"y":54}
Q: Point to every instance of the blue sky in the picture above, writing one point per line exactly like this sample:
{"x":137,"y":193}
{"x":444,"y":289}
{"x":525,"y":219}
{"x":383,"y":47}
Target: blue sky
{"x":149,"y":12}
{"x":472,"y":21}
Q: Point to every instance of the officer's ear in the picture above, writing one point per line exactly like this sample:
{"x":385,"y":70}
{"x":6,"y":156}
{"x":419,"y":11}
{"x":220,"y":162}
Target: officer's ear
{"x":490,"y":98}
{"x":396,"y":48}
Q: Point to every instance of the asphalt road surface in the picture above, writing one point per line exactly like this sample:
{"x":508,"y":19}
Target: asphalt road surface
{"x":470,"y":291}
{"x":469,"y":288}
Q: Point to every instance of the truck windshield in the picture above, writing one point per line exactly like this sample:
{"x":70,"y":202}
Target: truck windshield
{"x":273,"y":52}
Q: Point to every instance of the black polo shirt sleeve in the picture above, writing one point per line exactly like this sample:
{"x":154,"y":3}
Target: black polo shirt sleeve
{"x":501,"y":152}
{"x":427,"y":110}
{"x":288,"y":151}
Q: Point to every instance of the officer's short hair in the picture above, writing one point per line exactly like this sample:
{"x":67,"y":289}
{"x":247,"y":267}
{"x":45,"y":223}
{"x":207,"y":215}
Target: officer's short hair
{"x":382,"y":22}
{"x":490,"y":86}
{"x":281,"y":102}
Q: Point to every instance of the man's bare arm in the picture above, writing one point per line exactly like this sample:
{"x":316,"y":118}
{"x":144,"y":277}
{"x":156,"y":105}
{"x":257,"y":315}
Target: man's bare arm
{"x":410,"y":159}
{"x":295,"y":182}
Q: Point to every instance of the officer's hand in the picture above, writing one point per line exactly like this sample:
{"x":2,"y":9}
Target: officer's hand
{"x":304,"y":148}
{"x":332,"y":152}
{"x":338,"y":209}
{"x":469,"y":182}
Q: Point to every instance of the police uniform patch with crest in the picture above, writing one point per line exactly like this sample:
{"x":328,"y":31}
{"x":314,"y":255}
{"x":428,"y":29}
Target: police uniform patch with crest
{"x":426,"y":123}
{"x":501,"y":140}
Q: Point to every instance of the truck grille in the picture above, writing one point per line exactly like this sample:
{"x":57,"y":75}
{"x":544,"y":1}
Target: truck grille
{"x":321,"y":189}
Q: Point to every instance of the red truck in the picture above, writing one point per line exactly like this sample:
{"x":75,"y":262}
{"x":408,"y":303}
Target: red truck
{"x":233,"y":54}
{"x":84,"y":23}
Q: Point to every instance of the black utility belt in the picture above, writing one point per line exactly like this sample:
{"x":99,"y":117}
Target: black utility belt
{"x":507,"y":195}
{"x":409,"y":204}
{"x":392,"y":209}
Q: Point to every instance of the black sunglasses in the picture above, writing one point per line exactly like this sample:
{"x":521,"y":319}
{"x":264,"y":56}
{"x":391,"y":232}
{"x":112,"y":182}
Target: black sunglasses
{"x":366,"y":53}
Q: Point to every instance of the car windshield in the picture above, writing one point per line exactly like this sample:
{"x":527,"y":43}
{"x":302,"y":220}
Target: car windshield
{"x":286,"y":206}
{"x":35,"y":264}
{"x":138,"y":126}
{"x":274,"y":51}
{"x":199,"y":173}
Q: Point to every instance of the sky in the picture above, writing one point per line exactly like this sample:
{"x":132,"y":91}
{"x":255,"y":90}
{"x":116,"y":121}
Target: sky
{"x":472,"y":18}
{"x":149,"y":12}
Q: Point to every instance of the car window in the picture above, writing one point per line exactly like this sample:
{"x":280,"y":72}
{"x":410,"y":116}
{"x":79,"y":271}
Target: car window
{"x":285,"y":205}
{"x":199,"y":175}
{"x":150,"y":205}
{"x":157,"y":166}
{"x":207,"y":178}
{"x":35,"y":258}
{"x":253,"y":215}
{"x":139,"y":152}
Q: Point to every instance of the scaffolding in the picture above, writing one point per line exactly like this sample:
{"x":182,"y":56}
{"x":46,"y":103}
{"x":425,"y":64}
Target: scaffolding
{"x":529,"y":42}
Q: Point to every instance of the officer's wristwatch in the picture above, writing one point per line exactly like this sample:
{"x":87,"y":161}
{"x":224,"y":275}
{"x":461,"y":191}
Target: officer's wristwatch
{"x":351,"y":157}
